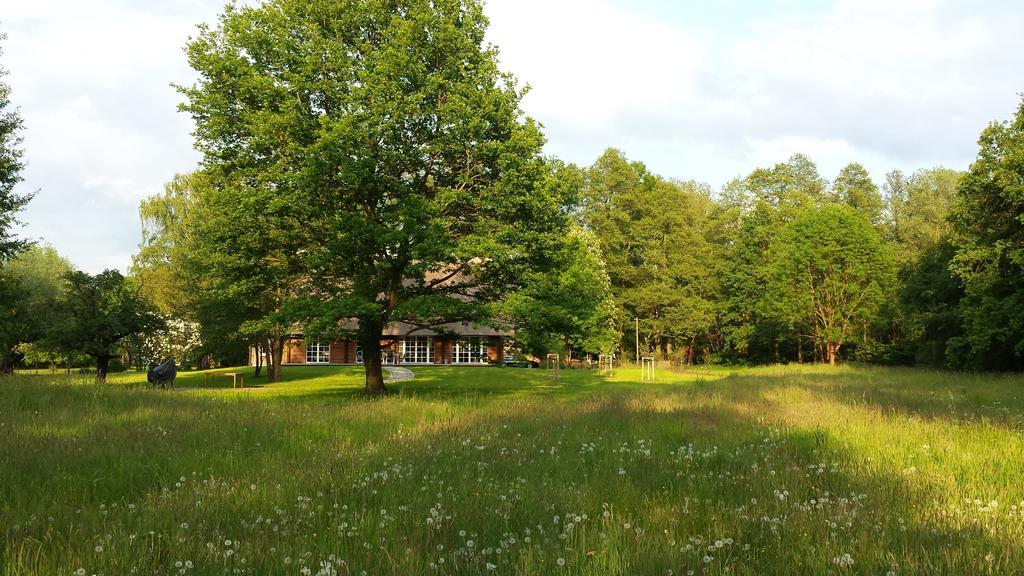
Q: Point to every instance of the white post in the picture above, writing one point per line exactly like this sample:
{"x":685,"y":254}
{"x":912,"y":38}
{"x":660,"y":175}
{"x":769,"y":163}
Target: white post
{"x":647,"y":369}
{"x":553,"y":365}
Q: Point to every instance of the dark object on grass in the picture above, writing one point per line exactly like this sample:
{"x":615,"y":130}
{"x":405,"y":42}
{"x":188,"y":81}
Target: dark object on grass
{"x":163,"y":374}
{"x":517,"y":361}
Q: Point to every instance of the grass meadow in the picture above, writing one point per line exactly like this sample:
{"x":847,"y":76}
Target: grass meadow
{"x":776,"y":470}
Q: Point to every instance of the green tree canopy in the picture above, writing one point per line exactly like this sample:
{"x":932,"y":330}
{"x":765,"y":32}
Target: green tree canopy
{"x":183,"y":268}
{"x":830,"y":270}
{"x":169,"y":239}
{"x":11,"y":166}
{"x":919,"y":207}
{"x":568,"y":307}
{"x":988,"y":220}
{"x":31,"y":284}
{"x":653,"y":234}
{"x":97,"y":313}
{"x":854,"y":187}
{"x":762,"y":204}
{"x":917,"y":225}
{"x":371,"y":159}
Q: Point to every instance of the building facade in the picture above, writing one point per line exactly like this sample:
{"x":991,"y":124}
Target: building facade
{"x":456,"y":343}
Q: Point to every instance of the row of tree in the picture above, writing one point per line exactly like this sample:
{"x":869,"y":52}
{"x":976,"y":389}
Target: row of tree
{"x":58,"y":317}
{"x":779,"y":265}
{"x":783,"y":265}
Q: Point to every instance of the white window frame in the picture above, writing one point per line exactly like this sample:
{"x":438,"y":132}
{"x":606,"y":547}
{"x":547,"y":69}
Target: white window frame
{"x":318,"y":352}
{"x":470,"y":350}
{"x":416,"y":350}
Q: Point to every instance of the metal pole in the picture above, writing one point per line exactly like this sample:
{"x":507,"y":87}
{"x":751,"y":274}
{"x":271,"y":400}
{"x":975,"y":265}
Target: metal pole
{"x":637,"y":339}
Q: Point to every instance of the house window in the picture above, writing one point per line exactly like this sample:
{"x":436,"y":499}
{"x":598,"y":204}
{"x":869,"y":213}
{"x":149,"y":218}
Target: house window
{"x":318,"y":352}
{"x":470,"y":350}
{"x":359,"y":354}
{"x":417,"y":350}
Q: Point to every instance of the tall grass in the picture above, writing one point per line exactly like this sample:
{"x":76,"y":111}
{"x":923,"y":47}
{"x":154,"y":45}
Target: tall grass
{"x":778,"y":470}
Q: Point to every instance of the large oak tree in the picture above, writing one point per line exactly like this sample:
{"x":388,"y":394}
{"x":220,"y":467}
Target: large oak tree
{"x":378,"y":157}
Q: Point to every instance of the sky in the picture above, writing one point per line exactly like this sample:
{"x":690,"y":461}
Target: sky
{"x":696,"y":90}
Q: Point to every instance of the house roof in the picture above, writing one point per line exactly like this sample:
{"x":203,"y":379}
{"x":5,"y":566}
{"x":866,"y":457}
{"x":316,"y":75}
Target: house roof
{"x":402,"y":329}
{"x":447,"y":329}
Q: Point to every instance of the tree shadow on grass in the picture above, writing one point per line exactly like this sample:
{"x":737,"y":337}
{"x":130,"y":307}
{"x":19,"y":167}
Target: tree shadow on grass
{"x":893,"y":520}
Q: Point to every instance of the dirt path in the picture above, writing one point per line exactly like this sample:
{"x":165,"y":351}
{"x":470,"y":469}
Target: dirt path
{"x":398,"y":373}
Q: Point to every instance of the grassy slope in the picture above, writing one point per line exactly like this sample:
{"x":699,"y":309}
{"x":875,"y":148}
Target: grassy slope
{"x":788,"y":469}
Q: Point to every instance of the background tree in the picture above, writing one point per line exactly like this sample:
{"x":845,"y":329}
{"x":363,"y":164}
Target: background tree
{"x":764,"y":203}
{"x":854,"y":187}
{"x":383,"y":160}
{"x":653,"y":235}
{"x":11,"y":166}
{"x":930,"y":296}
{"x":919,"y":207}
{"x":917,"y":225}
{"x":988,"y":220}
{"x":789,"y":185}
{"x":35,"y":353}
{"x":830,"y":270}
{"x":569,"y":308}
{"x":180,"y":270}
{"x":97,"y":313}
{"x":168,"y":238}
{"x":34,"y":282}
{"x":176,"y":339}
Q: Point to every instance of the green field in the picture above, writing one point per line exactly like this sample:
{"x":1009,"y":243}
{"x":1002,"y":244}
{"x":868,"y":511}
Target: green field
{"x":794,"y":470}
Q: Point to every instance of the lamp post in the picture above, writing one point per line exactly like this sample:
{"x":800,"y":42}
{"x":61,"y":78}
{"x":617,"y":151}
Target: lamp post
{"x":637,"y":339}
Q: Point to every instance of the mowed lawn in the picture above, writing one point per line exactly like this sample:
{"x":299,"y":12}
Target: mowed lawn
{"x":778,"y":470}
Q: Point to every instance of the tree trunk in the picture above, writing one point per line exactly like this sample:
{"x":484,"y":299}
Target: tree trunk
{"x":268,"y":359}
{"x":370,"y":330}
{"x":259,"y":360}
{"x":102,"y":364}
{"x":277,"y":355}
{"x":799,"y":350}
{"x":833,"y":351}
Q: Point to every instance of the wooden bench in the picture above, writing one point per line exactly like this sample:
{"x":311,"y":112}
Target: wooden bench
{"x":237,"y":378}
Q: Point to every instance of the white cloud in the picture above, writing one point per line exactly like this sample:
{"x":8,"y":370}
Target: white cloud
{"x":593,"y":56}
{"x":890,"y":84}
{"x":92,"y":80}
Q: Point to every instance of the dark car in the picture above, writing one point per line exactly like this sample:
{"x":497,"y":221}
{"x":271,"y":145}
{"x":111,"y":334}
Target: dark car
{"x":517,"y":361}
